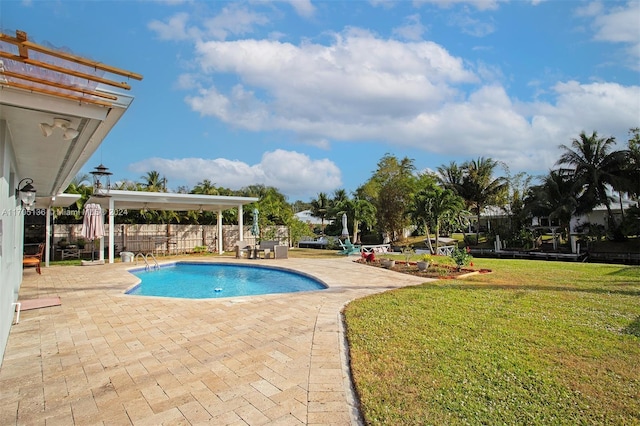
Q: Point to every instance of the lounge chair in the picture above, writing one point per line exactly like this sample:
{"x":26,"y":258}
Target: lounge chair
{"x":348,"y":248}
{"x":34,"y":259}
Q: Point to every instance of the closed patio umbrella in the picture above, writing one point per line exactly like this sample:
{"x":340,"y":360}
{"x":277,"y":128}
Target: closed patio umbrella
{"x":92,"y":224}
{"x":345,"y":230}
{"x":255,"y":228}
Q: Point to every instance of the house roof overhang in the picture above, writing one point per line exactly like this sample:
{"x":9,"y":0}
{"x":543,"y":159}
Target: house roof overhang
{"x":39,"y":84}
{"x":60,"y":200}
{"x":139,"y":200}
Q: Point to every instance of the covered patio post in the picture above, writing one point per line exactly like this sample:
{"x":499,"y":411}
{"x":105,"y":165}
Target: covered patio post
{"x":240,"y":223}
{"x":220,"y":242}
{"x":110,"y":213}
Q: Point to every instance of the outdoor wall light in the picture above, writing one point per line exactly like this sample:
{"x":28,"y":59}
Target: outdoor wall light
{"x":101,"y":181}
{"x":27,"y":193}
{"x":68,"y":134}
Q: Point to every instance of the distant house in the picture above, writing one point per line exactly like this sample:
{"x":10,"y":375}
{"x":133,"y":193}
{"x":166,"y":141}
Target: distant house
{"x":598,"y":216}
{"x":306,"y":217}
{"x":491,"y":216}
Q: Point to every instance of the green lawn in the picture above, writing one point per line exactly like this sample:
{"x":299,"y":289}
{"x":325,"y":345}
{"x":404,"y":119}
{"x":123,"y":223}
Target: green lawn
{"x":532,"y":343}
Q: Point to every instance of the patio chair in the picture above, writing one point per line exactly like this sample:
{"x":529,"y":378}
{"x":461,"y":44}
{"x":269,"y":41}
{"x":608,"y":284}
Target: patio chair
{"x":243,"y":247}
{"x":29,"y":260}
{"x":348,"y":248}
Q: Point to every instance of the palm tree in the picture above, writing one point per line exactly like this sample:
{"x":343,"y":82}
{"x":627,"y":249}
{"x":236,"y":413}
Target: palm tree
{"x":206,"y":187}
{"x":596,"y":168}
{"x":80,"y":184}
{"x":432,"y":205}
{"x":153,"y":182}
{"x":320,"y":208}
{"x":451,"y":176}
{"x":479,"y":188}
{"x":555,"y":198}
{"x":362,"y":211}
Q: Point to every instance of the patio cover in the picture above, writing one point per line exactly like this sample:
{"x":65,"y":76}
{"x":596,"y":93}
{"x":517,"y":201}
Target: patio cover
{"x":138,"y":200}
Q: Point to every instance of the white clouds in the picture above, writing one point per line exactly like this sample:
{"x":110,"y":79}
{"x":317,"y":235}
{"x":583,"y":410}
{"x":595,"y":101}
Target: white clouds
{"x":174,"y":29}
{"x":478,"y":4}
{"x":359,"y":87}
{"x":326,"y":91}
{"x":303,"y":7}
{"x":235,"y":20}
{"x":412,"y":29}
{"x":617,"y":25}
{"x":293,"y":173}
{"x":413,"y":94}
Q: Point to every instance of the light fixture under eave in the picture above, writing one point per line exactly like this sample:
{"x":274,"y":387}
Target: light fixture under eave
{"x":27,"y":193}
{"x":69,"y":132}
{"x":101,"y":181}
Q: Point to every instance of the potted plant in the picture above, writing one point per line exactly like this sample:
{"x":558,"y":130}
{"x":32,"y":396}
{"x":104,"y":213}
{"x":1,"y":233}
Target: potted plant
{"x":408,"y":253}
{"x":63,"y":243}
{"x":424,"y":262}
{"x":81,"y":242}
{"x":387,"y":262}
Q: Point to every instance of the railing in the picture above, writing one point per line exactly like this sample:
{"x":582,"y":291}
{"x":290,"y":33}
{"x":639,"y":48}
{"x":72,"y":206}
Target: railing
{"x":445,"y":250}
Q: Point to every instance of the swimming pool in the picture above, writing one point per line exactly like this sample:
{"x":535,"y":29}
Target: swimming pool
{"x":198,"y":280}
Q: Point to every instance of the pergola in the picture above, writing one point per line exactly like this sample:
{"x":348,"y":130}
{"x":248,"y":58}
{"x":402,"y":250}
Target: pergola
{"x":118,"y":200}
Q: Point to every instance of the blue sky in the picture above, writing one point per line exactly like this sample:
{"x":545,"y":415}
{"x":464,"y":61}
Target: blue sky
{"x":308,"y":96}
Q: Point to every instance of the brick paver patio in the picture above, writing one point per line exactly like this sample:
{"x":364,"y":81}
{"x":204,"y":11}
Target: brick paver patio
{"x":103,"y":357}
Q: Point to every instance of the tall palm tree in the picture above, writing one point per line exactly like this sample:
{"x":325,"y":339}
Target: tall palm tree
{"x":432,"y":205}
{"x":479,"y":188}
{"x":555,"y":197}
{"x":451,"y":176}
{"x":153,"y":182}
{"x":596,"y":169}
{"x":206,"y":187}
{"x":320,"y":208}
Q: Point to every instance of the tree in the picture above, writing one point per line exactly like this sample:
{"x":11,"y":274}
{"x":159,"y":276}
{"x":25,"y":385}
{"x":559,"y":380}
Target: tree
{"x":631,"y":169}
{"x":595,"y":168}
{"x":432,"y":205}
{"x":80,"y":184}
{"x":153,"y":182}
{"x":390,"y":190}
{"x":320,"y":208}
{"x":479,"y":188}
{"x":555,"y":198}
{"x":360,"y":211}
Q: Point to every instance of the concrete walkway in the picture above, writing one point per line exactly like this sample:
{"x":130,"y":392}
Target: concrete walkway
{"x":103,"y":357}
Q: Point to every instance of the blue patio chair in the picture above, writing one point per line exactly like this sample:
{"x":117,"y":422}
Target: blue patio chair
{"x":348,"y":248}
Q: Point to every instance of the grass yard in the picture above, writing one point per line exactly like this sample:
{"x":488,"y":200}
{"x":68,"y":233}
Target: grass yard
{"x":532,"y":343}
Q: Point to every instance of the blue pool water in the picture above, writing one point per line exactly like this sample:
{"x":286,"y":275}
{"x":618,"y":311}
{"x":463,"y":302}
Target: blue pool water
{"x":214,"y":280}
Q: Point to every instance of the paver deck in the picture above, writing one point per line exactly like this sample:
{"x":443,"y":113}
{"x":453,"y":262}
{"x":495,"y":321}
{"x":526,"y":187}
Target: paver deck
{"x":103,"y":357}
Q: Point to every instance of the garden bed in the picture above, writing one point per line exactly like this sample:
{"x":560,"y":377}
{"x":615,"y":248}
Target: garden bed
{"x":433,"y":271}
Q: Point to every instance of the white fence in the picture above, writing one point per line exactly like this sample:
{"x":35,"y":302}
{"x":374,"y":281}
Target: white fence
{"x":165,"y":239}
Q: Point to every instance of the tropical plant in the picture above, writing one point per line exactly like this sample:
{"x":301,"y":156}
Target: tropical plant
{"x":431,"y":205}
{"x":461,"y":257}
{"x":554,"y":198}
{"x":320,"y":208}
{"x":153,"y":182}
{"x":480,"y":188}
{"x":390,"y":190}
{"x":596,"y":169}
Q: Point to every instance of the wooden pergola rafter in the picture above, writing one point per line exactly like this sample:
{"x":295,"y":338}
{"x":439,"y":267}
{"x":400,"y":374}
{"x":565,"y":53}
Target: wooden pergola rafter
{"x":83,"y":94}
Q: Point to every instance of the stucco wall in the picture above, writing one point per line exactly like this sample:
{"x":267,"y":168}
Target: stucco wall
{"x":11,"y":237}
